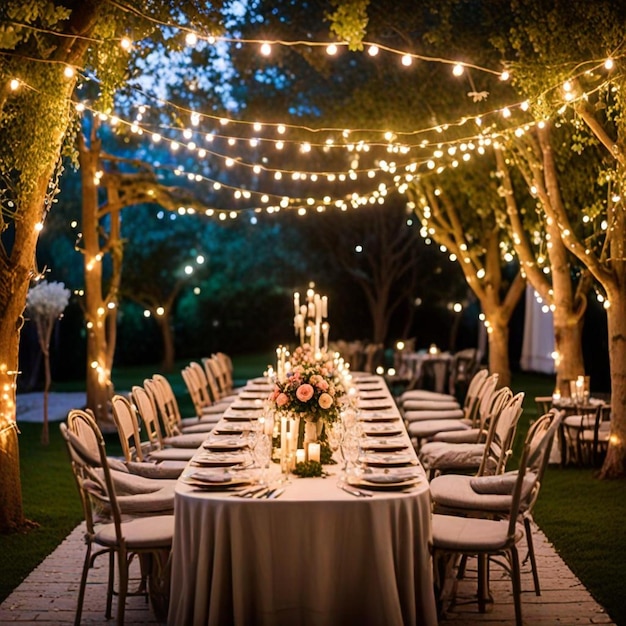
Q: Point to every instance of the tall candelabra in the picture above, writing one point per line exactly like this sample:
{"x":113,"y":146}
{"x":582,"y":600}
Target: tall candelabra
{"x":309,"y":320}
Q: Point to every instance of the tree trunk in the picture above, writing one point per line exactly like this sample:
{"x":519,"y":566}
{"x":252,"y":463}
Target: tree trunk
{"x":498,"y":337}
{"x":568,"y":345}
{"x":615,"y":463}
{"x":15,"y":275}
{"x":98,"y":382}
{"x":167,"y":335}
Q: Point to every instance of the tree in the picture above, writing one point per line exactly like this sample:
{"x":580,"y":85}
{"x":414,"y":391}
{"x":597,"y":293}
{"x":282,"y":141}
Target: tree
{"x":43,"y":45}
{"x":379,"y":251}
{"x":165,"y":256}
{"x":556,"y":50}
{"x":463,"y":214}
{"x":544,"y":259}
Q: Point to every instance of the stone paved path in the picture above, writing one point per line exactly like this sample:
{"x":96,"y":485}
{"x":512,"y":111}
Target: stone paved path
{"x":48,"y":595}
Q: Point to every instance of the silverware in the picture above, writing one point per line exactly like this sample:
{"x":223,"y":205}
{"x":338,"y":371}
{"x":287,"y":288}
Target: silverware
{"x":276,"y":493}
{"x":354,"y":491}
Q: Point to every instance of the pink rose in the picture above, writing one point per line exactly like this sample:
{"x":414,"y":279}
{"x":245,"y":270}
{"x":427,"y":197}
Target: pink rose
{"x":323,"y":385}
{"x":282,"y":399}
{"x":325,"y":401}
{"x":304,"y":392}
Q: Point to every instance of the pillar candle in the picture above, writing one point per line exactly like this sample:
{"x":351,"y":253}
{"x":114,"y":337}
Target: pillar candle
{"x":324,"y":306}
{"x":314,"y":452}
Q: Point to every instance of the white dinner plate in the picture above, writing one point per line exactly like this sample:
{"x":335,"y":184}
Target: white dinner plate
{"x":375,"y":407}
{"x":388,"y":460}
{"x":370,"y":387}
{"x":215,"y":479}
{"x":246,"y":405}
{"x":227,"y":444}
{"x":218,"y":460}
{"x":386,"y":430}
{"x":384,"y":445}
{"x":385,"y":480}
{"x":236,"y":428}
{"x":376,"y":417}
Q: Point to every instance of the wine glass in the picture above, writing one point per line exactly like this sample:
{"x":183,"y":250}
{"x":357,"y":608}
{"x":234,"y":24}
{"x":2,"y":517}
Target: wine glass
{"x":263,"y":455}
{"x":334,"y":435}
{"x":350,"y":448}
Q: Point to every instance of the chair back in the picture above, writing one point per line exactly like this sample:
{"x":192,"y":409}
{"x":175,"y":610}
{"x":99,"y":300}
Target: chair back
{"x":212,"y":365}
{"x":146,"y":408}
{"x":502,"y":427}
{"x":167,"y":406}
{"x":204,"y":390}
{"x":532,"y":466}
{"x":212,"y":379}
{"x":191,"y":382}
{"x":125,"y":418}
{"x":486,"y":403}
{"x":223,"y":367}
{"x":472,"y":398}
{"x":91,"y":470}
{"x":227,"y":366}
{"x":463,"y":368}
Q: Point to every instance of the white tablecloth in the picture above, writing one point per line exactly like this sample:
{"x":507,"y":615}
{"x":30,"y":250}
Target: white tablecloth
{"x":315,"y":556}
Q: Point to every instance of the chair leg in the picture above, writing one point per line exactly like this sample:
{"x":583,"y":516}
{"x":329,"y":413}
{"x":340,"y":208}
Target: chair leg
{"x":484,"y":596}
{"x":517,"y":585}
{"x":83,"y":584}
{"x":531,"y":555}
{"x":108,"y":611}
{"x":122,"y":585}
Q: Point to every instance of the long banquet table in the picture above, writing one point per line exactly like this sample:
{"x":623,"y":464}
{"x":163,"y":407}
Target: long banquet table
{"x":315,"y":556}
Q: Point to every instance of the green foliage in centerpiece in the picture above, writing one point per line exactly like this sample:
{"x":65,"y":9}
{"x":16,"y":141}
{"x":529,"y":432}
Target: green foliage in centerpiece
{"x":308,"y":469}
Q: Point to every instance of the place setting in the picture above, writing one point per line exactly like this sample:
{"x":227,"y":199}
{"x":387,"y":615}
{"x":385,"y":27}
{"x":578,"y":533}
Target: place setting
{"x":384,"y":479}
{"x":216,"y":480}
{"x":220,"y":459}
{"x":394,"y":459}
{"x":382,"y":429}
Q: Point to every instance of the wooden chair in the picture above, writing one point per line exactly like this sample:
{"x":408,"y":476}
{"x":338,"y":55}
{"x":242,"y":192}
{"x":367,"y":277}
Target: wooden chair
{"x":107,"y":531}
{"x":461,"y":535}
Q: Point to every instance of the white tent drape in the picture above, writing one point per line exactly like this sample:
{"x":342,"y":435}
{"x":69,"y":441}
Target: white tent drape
{"x":538,"y":343}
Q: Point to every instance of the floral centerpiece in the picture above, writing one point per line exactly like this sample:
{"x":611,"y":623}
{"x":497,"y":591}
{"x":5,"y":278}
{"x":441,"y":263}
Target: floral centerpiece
{"x":308,"y":395}
{"x":311,"y":389}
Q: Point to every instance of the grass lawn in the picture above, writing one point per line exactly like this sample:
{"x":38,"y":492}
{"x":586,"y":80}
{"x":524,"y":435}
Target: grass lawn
{"x":582,"y":516}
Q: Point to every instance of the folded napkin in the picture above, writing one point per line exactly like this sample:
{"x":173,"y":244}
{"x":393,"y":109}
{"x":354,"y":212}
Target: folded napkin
{"x":389,"y":478}
{"x":214,"y":478}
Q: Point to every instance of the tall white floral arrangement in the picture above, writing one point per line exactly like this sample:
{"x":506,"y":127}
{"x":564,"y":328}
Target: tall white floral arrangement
{"x":45,"y":303}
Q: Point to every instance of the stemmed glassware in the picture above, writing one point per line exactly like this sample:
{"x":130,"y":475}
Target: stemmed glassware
{"x":262,"y":454}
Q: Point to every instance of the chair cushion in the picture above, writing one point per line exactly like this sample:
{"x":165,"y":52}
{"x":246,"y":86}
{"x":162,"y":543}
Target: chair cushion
{"x":468,"y":435}
{"x":451,"y":456}
{"x":131,"y":484}
{"x":424,"y":394}
{"x":191,"y":440}
{"x":117,"y":464}
{"x":154,"y":470}
{"x":210,"y":420}
{"x":140,"y":534}
{"x":579,"y":421}
{"x":454,"y":491}
{"x":491,"y":494}
{"x":471,"y":535}
{"x":171,"y":454}
{"x":159,"y":502}
{"x":200,"y":427}
{"x":421,"y":416}
{"x":429,"y":405}
{"x":428,"y":428}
